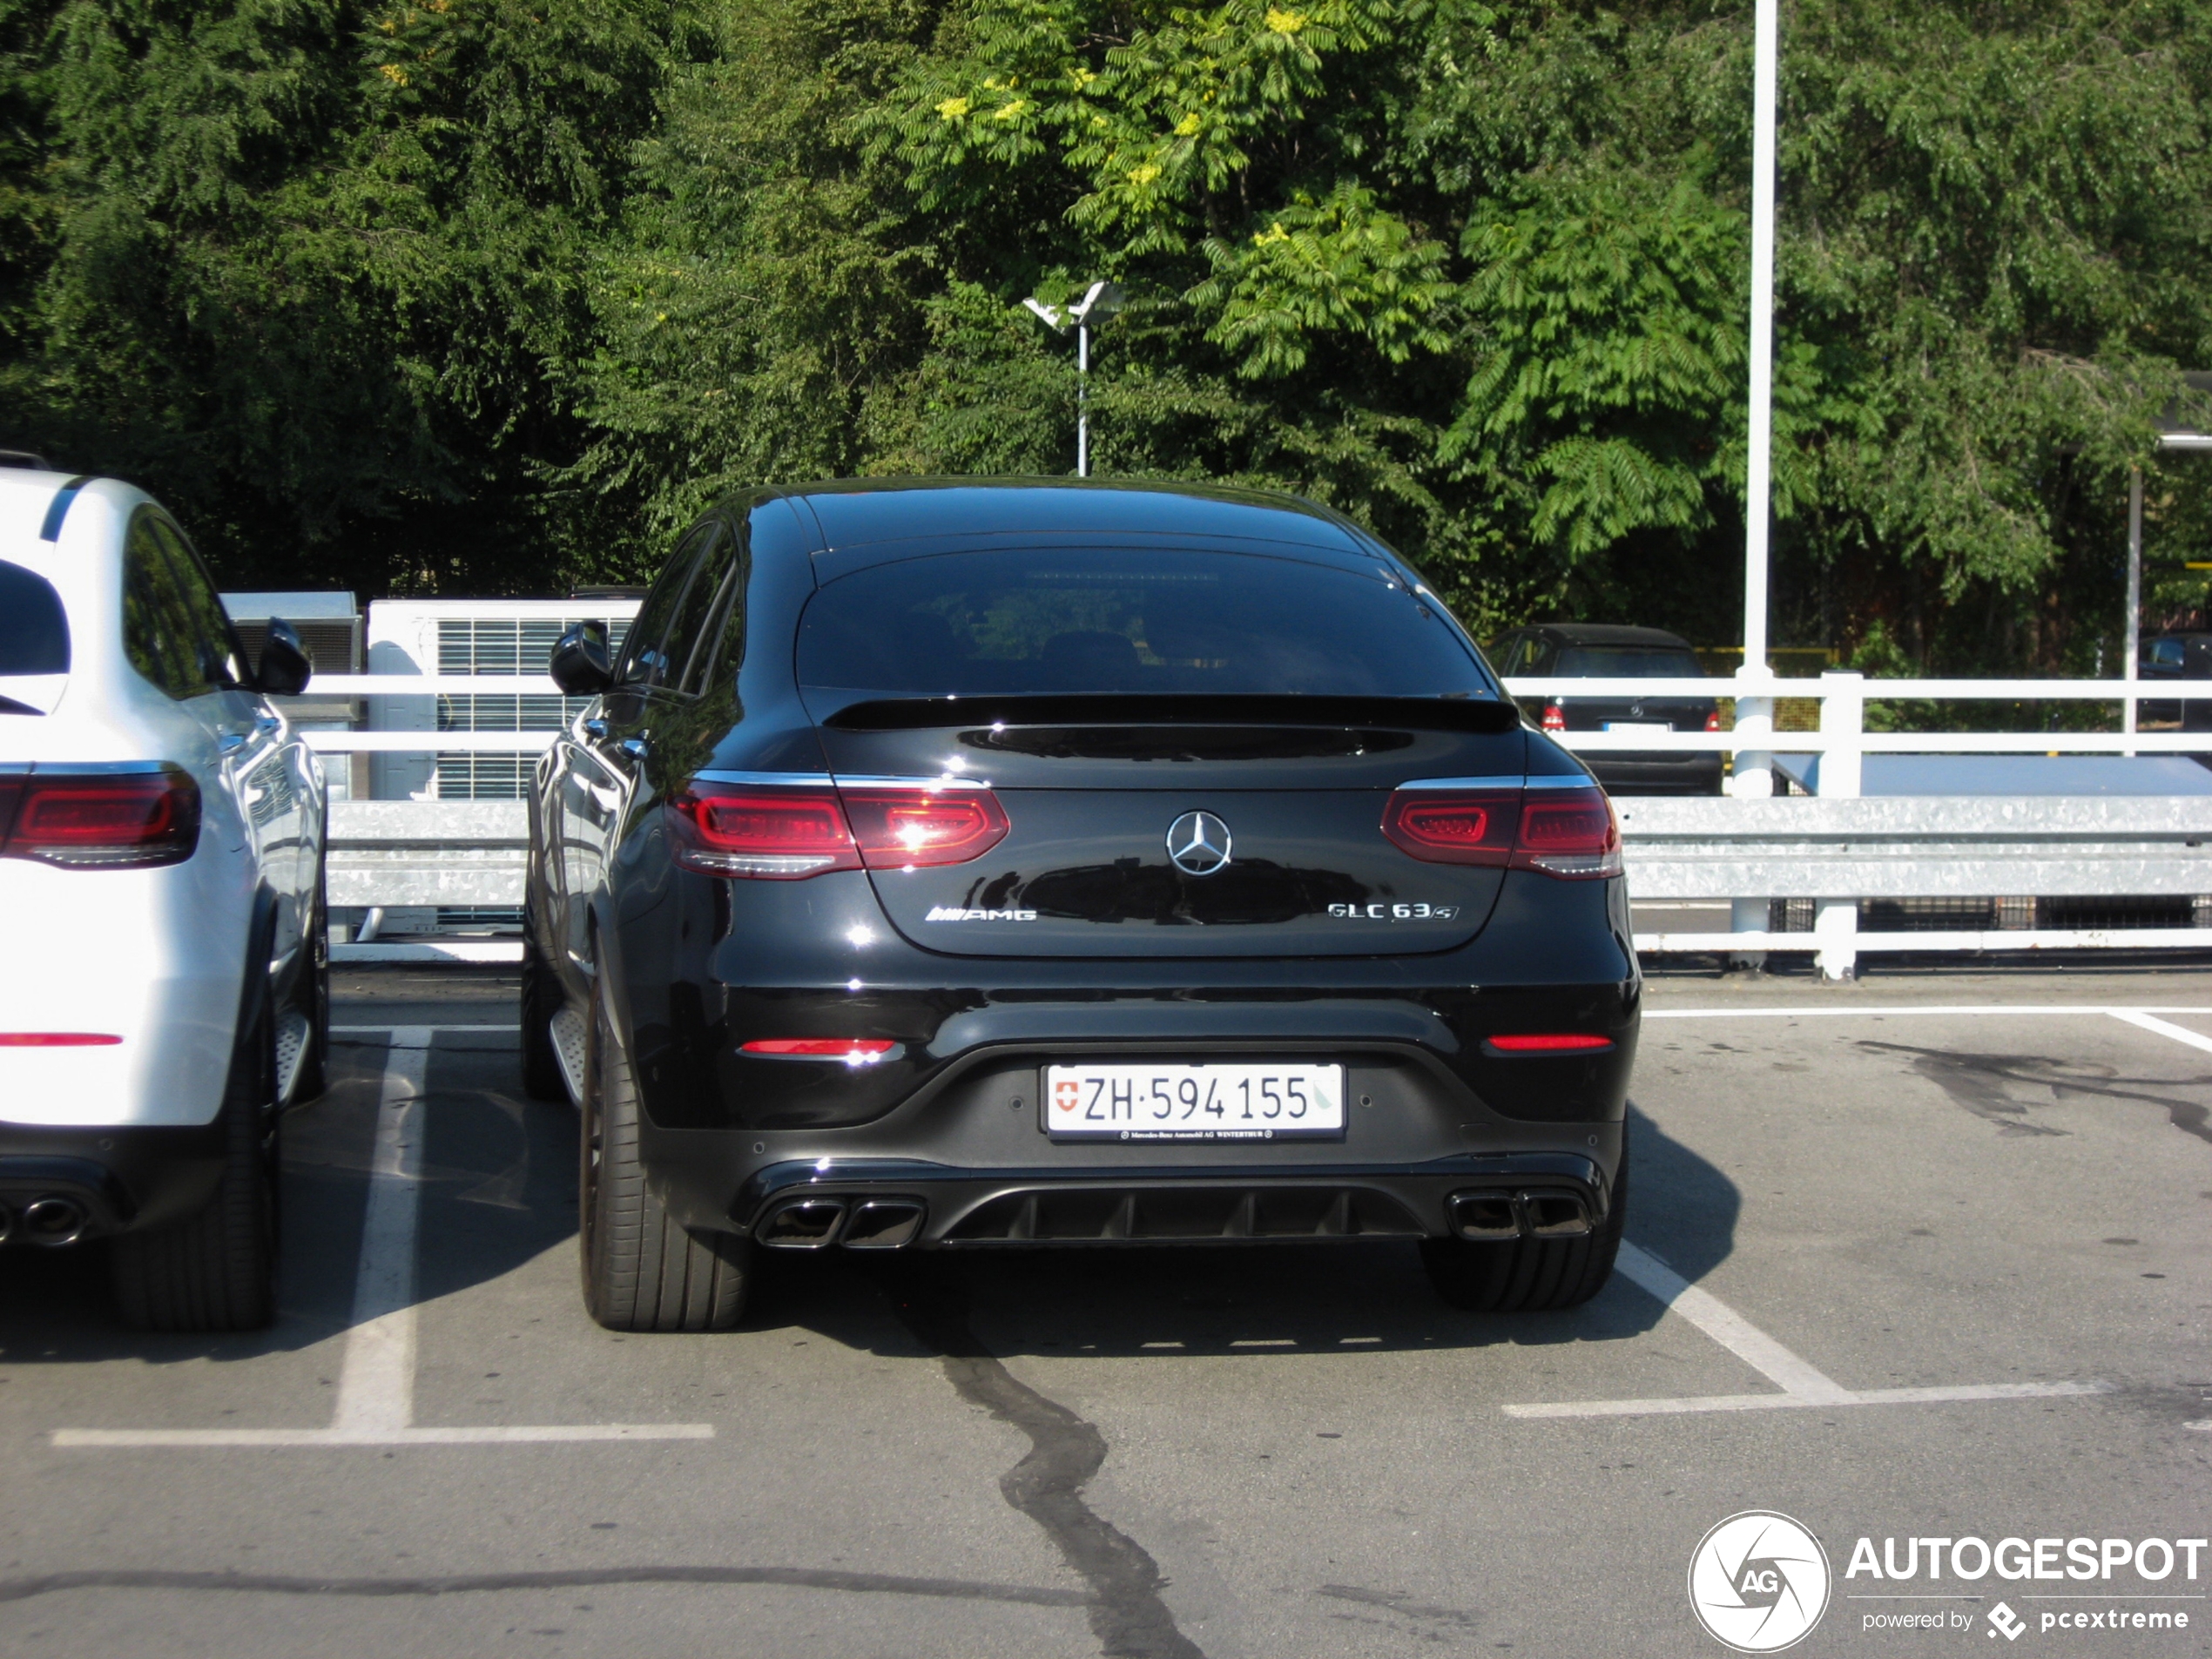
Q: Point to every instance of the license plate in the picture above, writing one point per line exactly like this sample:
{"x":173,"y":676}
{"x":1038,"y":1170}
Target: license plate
{"x":1638,"y":725}
{"x":1203,"y":1102}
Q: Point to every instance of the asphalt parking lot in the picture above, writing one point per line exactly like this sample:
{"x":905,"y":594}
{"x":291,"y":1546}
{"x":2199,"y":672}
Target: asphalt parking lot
{"x":1920,"y":1257}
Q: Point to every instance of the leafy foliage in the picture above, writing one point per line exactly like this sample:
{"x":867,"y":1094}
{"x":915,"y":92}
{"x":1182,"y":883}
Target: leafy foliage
{"x":494,"y":294}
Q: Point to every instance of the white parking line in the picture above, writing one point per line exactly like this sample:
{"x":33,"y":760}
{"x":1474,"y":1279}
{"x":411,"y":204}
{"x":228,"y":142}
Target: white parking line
{"x":376,"y":1386}
{"x":1802,"y":1385}
{"x":2140,"y":1019}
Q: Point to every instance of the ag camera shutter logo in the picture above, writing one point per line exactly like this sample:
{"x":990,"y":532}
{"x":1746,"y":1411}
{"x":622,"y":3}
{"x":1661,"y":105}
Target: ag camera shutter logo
{"x":1759,"y":1582}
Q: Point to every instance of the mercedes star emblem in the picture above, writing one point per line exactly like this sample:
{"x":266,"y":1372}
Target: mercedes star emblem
{"x":1198,"y":843}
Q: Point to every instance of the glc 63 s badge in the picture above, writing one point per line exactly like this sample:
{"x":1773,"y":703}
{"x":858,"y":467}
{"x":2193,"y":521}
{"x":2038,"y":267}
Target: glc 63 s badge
{"x":1395,"y":912}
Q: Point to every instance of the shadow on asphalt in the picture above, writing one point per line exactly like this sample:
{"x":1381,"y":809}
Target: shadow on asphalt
{"x":499,"y":1192}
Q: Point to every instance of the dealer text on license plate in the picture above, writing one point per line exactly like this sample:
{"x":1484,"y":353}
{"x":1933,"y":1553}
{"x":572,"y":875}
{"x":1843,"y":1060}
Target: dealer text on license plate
{"x":1206,"y":1101}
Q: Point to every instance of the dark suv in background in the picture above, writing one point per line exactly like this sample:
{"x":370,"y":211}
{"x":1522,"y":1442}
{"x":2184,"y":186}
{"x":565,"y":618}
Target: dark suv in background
{"x":1599,"y":650}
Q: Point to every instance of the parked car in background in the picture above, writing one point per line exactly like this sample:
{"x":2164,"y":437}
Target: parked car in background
{"x":2168,"y":657}
{"x":973,"y":866}
{"x":1596,"y":650}
{"x":161,"y":843}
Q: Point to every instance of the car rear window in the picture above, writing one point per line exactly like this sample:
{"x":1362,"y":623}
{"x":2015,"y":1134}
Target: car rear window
{"x":1627,"y":662}
{"x":1128,"y":621}
{"x":34,"y":629}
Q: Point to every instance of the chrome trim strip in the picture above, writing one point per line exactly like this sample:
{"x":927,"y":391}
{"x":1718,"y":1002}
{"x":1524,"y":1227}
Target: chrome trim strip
{"x":824,"y":780}
{"x":1513,"y":782}
{"x":774,"y":779}
{"x":1559,"y":780}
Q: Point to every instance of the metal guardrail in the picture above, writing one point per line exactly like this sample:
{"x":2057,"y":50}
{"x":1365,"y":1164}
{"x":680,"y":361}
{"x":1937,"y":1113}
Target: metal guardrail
{"x":1836,"y":849}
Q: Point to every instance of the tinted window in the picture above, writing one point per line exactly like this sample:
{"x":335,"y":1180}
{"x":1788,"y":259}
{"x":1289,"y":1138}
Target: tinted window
{"x":645,"y":658}
{"x":1101,"y":620}
{"x":1627,"y":662}
{"x":721,"y":645}
{"x":156,"y":619}
{"x":2168,"y":651}
{"x":34,"y":630}
{"x":212,"y":641}
{"x":689,"y":629}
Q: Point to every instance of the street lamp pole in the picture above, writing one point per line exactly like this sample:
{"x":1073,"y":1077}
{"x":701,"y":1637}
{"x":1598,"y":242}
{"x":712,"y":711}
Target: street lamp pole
{"x":1100,"y":301}
{"x":1758,"y":485}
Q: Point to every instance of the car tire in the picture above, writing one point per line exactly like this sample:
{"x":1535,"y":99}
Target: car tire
{"x":1529,"y":1275}
{"x":216,"y":1271}
{"x":643,"y":1270}
{"x":541,"y":1076}
{"x":312,"y":998}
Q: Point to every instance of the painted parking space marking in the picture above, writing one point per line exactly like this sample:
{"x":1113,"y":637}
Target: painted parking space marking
{"x":375,"y":1403}
{"x":1802,"y":1385}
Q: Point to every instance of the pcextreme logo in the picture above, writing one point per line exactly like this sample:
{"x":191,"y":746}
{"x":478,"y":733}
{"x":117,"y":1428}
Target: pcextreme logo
{"x":1759,"y":1582}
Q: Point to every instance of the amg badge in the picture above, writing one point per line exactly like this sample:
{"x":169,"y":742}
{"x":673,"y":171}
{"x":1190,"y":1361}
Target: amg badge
{"x":954,"y":912}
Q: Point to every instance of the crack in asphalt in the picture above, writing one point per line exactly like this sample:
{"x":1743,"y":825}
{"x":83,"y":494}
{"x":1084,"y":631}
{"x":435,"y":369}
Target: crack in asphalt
{"x":22,"y":1589}
{"x":1977,"y":1082}
{"x":1126,"y":1613}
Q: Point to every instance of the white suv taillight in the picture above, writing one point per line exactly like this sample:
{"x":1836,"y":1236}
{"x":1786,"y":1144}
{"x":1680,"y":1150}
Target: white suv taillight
{"x":93,"y":817}
{"x":1571,"y":833}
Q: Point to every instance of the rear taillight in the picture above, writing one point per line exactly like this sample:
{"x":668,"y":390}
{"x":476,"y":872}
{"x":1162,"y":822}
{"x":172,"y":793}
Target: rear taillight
{"x":1713,"y":721}
{"x":778,"y":835}
{"x":1570,"y":833}
{"x":785,"y":833}
{"x":106,"y":821}
{"x":897,"y":828}
{"x":1555,"y":718}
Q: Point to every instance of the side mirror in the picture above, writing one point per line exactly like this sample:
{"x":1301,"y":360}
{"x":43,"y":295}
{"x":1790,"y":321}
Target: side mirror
{"x":582,"y":666}
{"x":285,"y":667}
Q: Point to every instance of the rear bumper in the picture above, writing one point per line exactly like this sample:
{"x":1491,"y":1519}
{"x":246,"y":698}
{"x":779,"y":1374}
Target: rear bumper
{"x":968,"y":1153}
{"x":108,"y":1180}
{"x":891,"y":1204}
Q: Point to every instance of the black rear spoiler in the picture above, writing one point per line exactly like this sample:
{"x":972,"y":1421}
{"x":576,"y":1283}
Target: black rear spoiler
{"x":1480,"y":715}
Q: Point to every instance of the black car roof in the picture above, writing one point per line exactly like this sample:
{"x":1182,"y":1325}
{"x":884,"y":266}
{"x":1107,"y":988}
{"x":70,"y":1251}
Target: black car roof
{"x":857,"y":512}
{"x":1606,"y":633}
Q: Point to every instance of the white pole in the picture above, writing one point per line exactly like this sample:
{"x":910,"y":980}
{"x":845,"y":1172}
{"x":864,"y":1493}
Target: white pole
{"x":1757,"y":506}
{"x":2134,"y":648}
{"x":1082,"y":400}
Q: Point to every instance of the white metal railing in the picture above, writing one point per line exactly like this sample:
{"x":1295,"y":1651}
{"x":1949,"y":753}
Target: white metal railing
{"x":1747,"y":868}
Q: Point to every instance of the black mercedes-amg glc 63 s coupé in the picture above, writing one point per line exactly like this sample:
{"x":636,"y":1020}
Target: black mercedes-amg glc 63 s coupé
{"x":957,"y":865}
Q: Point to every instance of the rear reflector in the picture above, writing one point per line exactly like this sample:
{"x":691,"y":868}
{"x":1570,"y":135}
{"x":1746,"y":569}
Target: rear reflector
{"x":105,"y":819}
{"x":786,"y":834}
{"x":1551,"y":1042}
{"x":58,"y":1040}
{"x":858,"y":1051}
{"x":1570,"y":833}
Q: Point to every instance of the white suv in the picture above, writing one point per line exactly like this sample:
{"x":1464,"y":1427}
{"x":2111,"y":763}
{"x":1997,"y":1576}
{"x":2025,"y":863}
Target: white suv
{"x":167,"y":992}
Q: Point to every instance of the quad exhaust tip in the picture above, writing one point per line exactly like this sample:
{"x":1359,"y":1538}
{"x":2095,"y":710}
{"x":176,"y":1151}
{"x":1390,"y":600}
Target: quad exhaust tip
{"x":816,"y":1224}
{"x":53,"y":1220}
{"x":1526,"y":1212}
